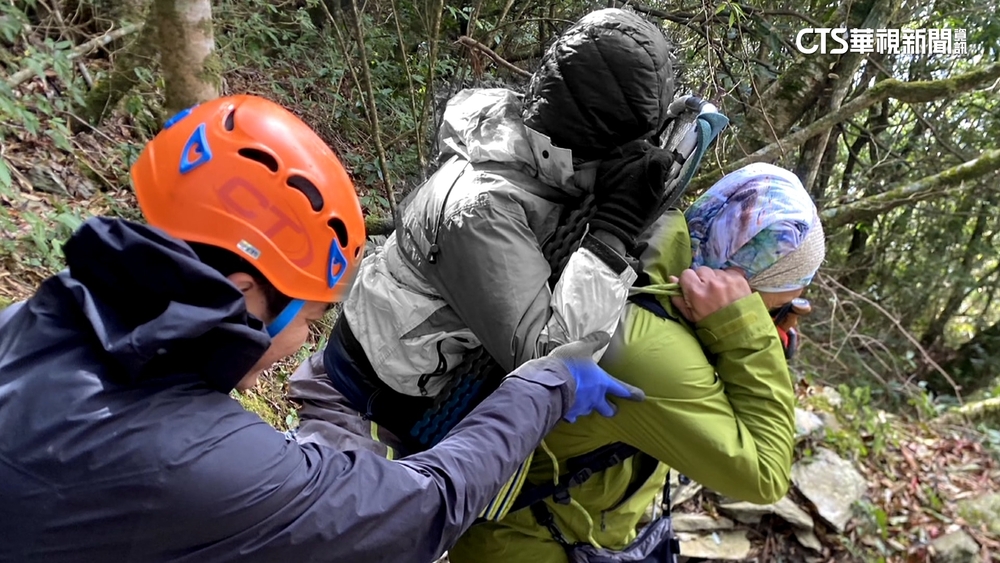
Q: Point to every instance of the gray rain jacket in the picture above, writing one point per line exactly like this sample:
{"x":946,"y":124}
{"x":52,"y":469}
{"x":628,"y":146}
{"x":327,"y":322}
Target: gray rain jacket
{"x":119,"y":442}
{"x":488,"y":209}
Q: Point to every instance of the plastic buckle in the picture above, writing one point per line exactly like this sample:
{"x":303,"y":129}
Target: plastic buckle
{"x":561,"y":496}
{"x":582,"y":476}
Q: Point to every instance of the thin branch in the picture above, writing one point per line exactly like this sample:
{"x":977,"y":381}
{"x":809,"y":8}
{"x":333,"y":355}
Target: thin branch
{"x":473,"y":17}
{"x":367,"y":93}
{"x":56,"y":9}
{"x":372,"y":106}
{"x":908,"y":92}
{"x":532,"y":20}
{"x":421,"y":157}
{"x":435,"y":32}
{"x":957,"y":388}
{"x":505,"y":40}
{"x":503,"y":14}
{"x":925,"y":188}
{"x":472,"y":43}
{"x":80,"y":50}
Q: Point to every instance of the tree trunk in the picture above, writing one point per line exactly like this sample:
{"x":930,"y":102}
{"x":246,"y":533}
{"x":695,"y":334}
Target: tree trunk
{"x":974,"y":365}
{"x":958,"y":292}
{"x":858,"y":263}
{"x":122,"y":78}
{"x":800,"y":87}
{"x":187,"y":52}
{"x":907,"y":193}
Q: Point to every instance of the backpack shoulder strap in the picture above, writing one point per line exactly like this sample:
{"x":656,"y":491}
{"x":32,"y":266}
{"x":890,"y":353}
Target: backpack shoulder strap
{"x":650,"y":303}
{"x":580,"y":469}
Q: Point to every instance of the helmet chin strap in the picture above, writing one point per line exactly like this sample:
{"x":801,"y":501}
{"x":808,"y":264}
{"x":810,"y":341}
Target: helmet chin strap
{"x":285,"y":317}
{"x":336,"y":268}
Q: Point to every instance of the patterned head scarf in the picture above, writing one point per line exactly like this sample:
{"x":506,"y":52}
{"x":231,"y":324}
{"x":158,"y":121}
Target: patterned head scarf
{"x":760,"y":219}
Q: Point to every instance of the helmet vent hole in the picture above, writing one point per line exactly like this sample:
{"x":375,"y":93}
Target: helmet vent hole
{"x":261,"y":157}
{"x":230,"y":121}
{"x":340,"y":229}
{"x":309,"y":190}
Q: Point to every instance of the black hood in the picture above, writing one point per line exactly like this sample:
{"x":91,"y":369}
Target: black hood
{"x":604,"y":82}
{"x":154,"y":307}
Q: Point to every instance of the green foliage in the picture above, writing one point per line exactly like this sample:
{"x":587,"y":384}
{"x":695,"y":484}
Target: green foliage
{"x":5,"y":180}
{"x":307,"y":70}
{"x":865,"y":430}
{"x":873,"y":524}
{"x":35,"y":116}
{"x":41,"y":247}
{"x":267,"y":399}
{"x":991,"y":438}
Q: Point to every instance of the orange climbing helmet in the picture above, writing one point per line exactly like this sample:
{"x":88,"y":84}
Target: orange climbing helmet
{"x":244,"y":174}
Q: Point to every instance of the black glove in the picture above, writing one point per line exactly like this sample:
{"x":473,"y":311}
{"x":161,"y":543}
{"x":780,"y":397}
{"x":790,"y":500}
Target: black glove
{"x":630,"y":186}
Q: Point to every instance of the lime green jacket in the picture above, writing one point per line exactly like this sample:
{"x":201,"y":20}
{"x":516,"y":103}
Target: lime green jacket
{"x":718,"y":409}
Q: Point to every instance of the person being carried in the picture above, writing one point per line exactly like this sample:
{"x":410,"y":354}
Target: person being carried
{"x":719,"y":396}
{"x":466,"y":268}
{"x":118,"y":438}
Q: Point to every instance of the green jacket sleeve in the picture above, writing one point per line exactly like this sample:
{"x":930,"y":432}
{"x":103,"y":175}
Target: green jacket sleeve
{"x":732,"y":432}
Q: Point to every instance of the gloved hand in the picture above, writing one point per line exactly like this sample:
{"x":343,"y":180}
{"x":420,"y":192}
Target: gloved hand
{"x":593,"y":384}
{"x":629,"y":188}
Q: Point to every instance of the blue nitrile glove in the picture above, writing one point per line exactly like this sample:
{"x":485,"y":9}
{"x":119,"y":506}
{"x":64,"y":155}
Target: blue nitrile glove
{"x":593,"y":384}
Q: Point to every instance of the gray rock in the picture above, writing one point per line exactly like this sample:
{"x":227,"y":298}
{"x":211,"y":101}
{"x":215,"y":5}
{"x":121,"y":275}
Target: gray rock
{"x":832,"y":397}
{"x":720,"y":546}
{"x":679,"y":494}
{"x":956,"y":547}
{"x":806,"y":423}
{"x":700,"y":523}
{"x":749,"y":513}
{"x":808,"y":539}
{"x":801,"y":521}
{"x":829,"y":420}
{"x":983,"y":510}
{"x":832,"y":484}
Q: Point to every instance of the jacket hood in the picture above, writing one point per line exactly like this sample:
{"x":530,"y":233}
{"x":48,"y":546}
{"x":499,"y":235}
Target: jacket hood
{"x":155,"y":308}
{"x":604,"y":82}
{"x":485,"y":125}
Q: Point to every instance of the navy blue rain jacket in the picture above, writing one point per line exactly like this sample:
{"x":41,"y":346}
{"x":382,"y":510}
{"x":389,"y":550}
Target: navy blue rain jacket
{"x":119,"y":441}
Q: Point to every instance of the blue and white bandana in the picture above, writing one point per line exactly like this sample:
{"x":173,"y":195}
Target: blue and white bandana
{"x":760,"y":219}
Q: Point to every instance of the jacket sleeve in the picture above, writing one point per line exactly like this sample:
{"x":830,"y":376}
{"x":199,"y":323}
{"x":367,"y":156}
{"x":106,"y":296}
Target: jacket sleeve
{"x":9,"y":311}
{"x":492,"y":272}
{"x":732,"y":432}
{"x":262,"y":498}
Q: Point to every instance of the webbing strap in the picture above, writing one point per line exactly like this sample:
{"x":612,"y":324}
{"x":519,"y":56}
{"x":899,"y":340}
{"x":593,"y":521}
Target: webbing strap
{"x":580,"y":468}
{"x":650,"y":303}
